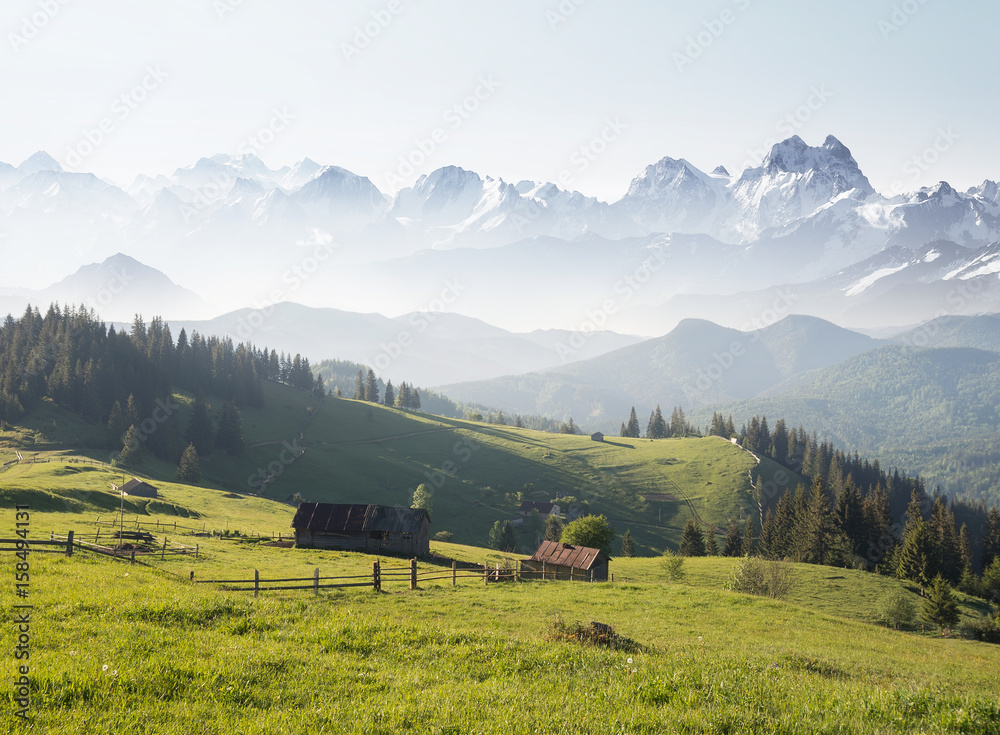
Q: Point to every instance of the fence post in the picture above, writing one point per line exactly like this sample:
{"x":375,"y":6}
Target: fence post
{"x":376,"y":576}
{"x":163,"y":553}
{"x":97,"y":535}
{"x":454,"y":571}
{"x":316,"y":581}
{"x":256,"y":582}
{"x":132,"y":559}
{"x":591,"y":575}
{"x":69,"y":544}
{"x":543,"y":570}
{"x":413,"y":574}
{"x":486,"y":572}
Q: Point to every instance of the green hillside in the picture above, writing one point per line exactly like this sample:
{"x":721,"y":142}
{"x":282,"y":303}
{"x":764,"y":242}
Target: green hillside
{"x":327,"y":449}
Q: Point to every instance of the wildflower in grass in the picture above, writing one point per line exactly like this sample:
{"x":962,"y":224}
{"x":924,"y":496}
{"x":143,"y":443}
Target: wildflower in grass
{"x":628,"y":660}
{"x":104,"y":668}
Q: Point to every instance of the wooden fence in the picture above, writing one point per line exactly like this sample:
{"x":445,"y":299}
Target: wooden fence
{"x":379,"y":575}
{"x":137,"y":522}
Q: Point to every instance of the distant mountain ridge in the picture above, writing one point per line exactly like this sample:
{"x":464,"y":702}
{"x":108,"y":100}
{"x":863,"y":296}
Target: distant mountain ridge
{"x":805,"y":214}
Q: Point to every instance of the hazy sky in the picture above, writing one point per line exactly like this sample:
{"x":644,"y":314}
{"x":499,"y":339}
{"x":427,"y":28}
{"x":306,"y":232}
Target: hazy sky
{"x":508,"y":88}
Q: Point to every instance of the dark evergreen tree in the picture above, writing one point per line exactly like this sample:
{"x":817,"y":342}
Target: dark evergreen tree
{"x":628,"y":544}
{"x":116,"y":425}
{"x":711,"y":546}
{"x":692,"y":540}
{"x":199,"y":429}
{"x":371,"y":387}
{"x":851,"y":517}
{"x":502,"y":536}
{"x":678,"y":424}
{"x":748,"y":542}
{"x":553,"y":528}
{"x":940,"y":606}
{"x":734,"y":542}
{"x":189,"y":469}
{"x":390,"y":395}
{"x":632,"y":427}
{"x":991,"y":539}
{"x":819,"y":532}
{"x":359,"y":385}
{"x":416,"y":400}
{"x":131,"y":453}
{"x":229,"y":437}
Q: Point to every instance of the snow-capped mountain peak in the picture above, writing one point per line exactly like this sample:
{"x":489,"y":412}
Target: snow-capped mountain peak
{"x":37,"y":162}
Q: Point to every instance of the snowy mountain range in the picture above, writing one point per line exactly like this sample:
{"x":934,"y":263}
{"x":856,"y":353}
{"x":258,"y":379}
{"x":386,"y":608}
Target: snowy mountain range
{"x":240,"y":233}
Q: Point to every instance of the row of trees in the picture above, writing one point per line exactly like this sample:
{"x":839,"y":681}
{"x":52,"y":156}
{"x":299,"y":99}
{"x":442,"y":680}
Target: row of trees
{"x":657,"y":427}
{"x":366,"y":388}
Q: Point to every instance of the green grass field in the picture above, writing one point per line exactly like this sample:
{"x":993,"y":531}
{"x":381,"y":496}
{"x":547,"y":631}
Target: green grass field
{"x":129,"y":649}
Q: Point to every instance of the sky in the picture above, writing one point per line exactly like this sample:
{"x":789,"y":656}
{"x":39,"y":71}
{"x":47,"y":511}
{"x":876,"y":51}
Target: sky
{"x":586,"y":93}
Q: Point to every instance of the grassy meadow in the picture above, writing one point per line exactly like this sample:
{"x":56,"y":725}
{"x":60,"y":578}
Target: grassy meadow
{"x":130,"y":649}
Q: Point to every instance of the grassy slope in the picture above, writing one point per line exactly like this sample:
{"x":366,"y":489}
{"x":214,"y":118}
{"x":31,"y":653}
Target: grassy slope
{"x":186,"y":659}
{"x":358,"y":452}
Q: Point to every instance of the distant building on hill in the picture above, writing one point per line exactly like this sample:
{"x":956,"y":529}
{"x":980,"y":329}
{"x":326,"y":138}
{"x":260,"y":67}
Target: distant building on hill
{"x":597,"y":436}
{"x":368,"y":528}
{"x":544,"y":509}
{"x":555,"y":560}
{"x":136,"y":488}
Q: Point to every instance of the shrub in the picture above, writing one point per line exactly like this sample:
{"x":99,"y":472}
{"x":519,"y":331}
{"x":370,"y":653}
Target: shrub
{"x":895,"y":608}
{"x":445,"y":536}
{"x":673,"y":566}
{"x":754,"y":576}
{"x":595,"y":634}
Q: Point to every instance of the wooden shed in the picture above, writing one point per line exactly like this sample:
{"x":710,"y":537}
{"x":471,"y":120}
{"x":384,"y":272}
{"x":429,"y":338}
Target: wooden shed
{"x":597,"y":436}
{"x":368,"y":528}
{"x":555,"y":560}
{"x":137,"y":488}
{"x":544,"y":509}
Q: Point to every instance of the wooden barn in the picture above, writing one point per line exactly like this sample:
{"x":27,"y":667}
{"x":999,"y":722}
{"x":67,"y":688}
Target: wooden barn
{"x":544,"y":509}
{"x":555,"y":560}
{"x":597,"y":436}
{"x":375,"y":529}
{"x":136,"y":488}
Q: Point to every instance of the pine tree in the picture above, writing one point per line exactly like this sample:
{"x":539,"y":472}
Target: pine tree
{"x":946,"y":552}
{"x":782,"y":541}
{"x":199,"y":430}
{"x":711,"y":546}
{"x":632,"y":428}
{"x":628,"y":544}
{"x":189,"y":470}
{"x":403,"y":397}
{"x":116,"y":425}
{"x":991,"y":540}
{"x":518,"y":423}
{"x":747,"y":544}
{"x":502,"y":536}
{"x":766,"y":543}
{"x":131,"y":453}
{"x":819,"y":534}
{"x":371,"y":387}
{"x":359,"y":385}
{"x":416,"y":400}
{"x":915,"y":554}
{"x":678,"y":424}
{"x":390,"y":395}
{"x":553,"y":528}
{"x":229,"y":437}
{"x":851,"y":518}
{"x":940,"y":607}
{"x":734,"y":543}
{"x":692,"y":540}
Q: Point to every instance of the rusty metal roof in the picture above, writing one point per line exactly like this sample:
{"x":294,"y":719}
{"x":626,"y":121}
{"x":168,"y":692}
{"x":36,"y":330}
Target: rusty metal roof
{"x":567,"y":555}
{"x":344,"y":518}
